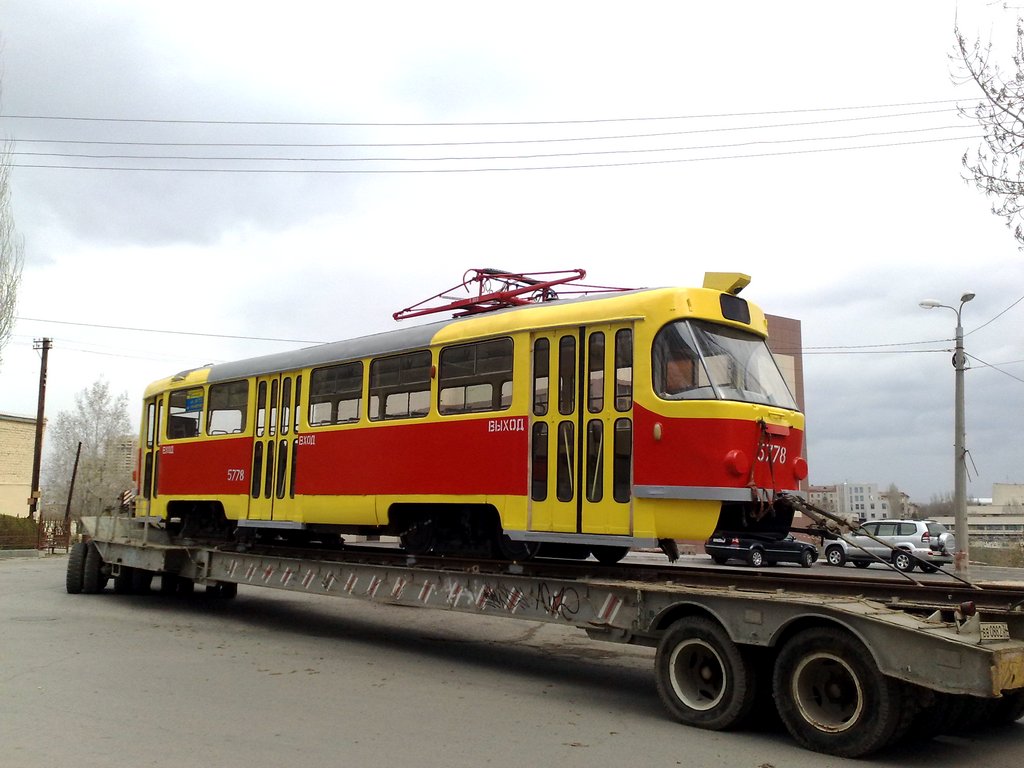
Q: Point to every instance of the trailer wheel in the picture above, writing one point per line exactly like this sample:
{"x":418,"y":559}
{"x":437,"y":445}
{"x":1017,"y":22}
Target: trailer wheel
{"x":168,"y":583}
{"x":94,"y":579}
{"x":142,"y":581}
{"x":831,"y":697}
{"x":703,"y":678}
{"x":1009,"y":709}
{"x":76,"y":568}
{"x":903,"y":561}
{"x":124,"y":581}
{"x":226,"y":590}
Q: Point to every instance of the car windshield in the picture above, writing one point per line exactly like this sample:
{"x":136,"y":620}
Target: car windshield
{"x":695,"y":360}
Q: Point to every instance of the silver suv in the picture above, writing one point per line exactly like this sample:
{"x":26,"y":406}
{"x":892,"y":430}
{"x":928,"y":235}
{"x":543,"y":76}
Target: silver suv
{"x":923,"y":543}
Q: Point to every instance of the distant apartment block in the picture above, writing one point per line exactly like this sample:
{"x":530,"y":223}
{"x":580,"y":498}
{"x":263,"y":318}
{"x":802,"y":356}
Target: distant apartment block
{"x":856,"y":501}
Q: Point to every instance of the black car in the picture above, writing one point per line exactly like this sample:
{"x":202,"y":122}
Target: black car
{"x":761,"y":550}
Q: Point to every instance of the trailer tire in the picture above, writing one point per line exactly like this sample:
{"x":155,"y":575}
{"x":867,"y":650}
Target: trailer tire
{"x":124,"y":581}
{"x":225,"y":590}
{"x":832,"y":698}
{"x":76,"y":568}
{"x":1009,"y":709}
{"x":704,"y":679}
{"x":142,"y":581}
{"x":93,"y":578}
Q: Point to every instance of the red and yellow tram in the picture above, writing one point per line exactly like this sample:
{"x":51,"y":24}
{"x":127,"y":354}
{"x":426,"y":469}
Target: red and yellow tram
{"x":594,"y":424}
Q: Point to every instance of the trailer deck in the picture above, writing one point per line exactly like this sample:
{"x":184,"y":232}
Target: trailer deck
{"x":851,"y":663}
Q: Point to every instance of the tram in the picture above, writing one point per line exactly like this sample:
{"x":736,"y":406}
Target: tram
{"x":546,"y":424}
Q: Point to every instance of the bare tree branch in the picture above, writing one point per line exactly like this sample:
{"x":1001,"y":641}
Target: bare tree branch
{"x":997,"y":168}
{"x":12,"y":248}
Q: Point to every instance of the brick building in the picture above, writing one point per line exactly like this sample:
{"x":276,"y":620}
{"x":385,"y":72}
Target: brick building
{"x":17,"y":440}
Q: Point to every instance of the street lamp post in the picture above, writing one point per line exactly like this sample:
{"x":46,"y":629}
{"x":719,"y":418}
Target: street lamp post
{"x":961,"y":559}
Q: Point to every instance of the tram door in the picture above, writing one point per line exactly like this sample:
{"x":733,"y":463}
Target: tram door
{"x":582,"y":430}
{"x":271,"y":489}
{"x":150,"y":464}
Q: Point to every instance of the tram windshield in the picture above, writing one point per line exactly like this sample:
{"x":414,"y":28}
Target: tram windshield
{"x":695,"y":360}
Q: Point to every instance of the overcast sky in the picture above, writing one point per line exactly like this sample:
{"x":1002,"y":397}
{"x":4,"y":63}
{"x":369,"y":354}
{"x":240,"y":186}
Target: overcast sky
{"x":814,"y":146}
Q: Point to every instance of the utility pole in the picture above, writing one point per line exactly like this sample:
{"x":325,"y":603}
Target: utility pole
{"x":33,"y":501}
{"x":962,"y":557}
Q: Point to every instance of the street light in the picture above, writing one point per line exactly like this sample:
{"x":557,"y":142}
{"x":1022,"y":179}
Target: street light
{"x":962,"y":558}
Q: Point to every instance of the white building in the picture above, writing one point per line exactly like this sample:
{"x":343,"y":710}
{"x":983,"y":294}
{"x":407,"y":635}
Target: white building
{"x":853,"y":501}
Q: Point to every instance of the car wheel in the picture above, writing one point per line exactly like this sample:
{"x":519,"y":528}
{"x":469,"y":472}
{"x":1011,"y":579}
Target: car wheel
{"x":929,"y":568}
{"x":807,"y":558}
{"x":756,"y":557}
{"x":904,"y":561}
{"x":719,"y":560}
{"x":862,"y":563}
{"x":834,"y":555}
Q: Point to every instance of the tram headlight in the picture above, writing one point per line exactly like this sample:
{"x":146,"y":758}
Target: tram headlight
{"x":800,"y":468}
{"x":737,"y":463}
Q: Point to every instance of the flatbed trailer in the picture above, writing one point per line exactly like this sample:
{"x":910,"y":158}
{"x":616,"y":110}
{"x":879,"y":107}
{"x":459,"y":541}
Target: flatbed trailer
{"x":852,"y":665}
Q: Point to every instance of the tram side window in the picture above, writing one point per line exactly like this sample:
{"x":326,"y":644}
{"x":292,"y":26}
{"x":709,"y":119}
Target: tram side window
{"x":229,"y":403}
{"x":476,"y":377}
{"x":185,"y":407}
{"x":335,"y":394}
{"x":400,"y":386}
{"x":541,"y":370}
{"x":623,"y":369}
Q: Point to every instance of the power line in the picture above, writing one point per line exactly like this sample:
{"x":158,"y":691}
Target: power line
{"x":1018,"y":301}
{"x":183,"y":121}
{"x":159,"y":330}
{"x":563,"y":139}
{"x":582,"y":153}
{"x":995,"y":368}
{"x":381,"y":171}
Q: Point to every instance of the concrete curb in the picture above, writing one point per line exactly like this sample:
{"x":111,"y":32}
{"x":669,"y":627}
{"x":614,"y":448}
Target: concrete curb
{"x":9,"y":553}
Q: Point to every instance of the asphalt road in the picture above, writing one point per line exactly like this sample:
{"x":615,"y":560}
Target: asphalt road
{"x":282,"y":679}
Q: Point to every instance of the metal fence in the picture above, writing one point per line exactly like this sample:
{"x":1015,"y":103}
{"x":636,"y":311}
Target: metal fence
{"x":45,"y":535}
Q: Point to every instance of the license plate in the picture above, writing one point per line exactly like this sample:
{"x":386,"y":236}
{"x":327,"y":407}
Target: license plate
{"x":995,"y":630}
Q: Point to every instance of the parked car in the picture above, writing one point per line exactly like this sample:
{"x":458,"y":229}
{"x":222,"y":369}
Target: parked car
{"x":758,"y":550}
{"x":911,"y":543}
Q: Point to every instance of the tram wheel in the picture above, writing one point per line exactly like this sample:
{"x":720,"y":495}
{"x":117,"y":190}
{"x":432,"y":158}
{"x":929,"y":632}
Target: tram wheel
{"x":832,"y":698}
{"x":506,"y":549}
{"x":703,"y":677}
{"x":419,"y":538}
{"x":610,"y":555}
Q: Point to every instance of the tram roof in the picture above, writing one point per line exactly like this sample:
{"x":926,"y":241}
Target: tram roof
{"x":384,"y":343}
